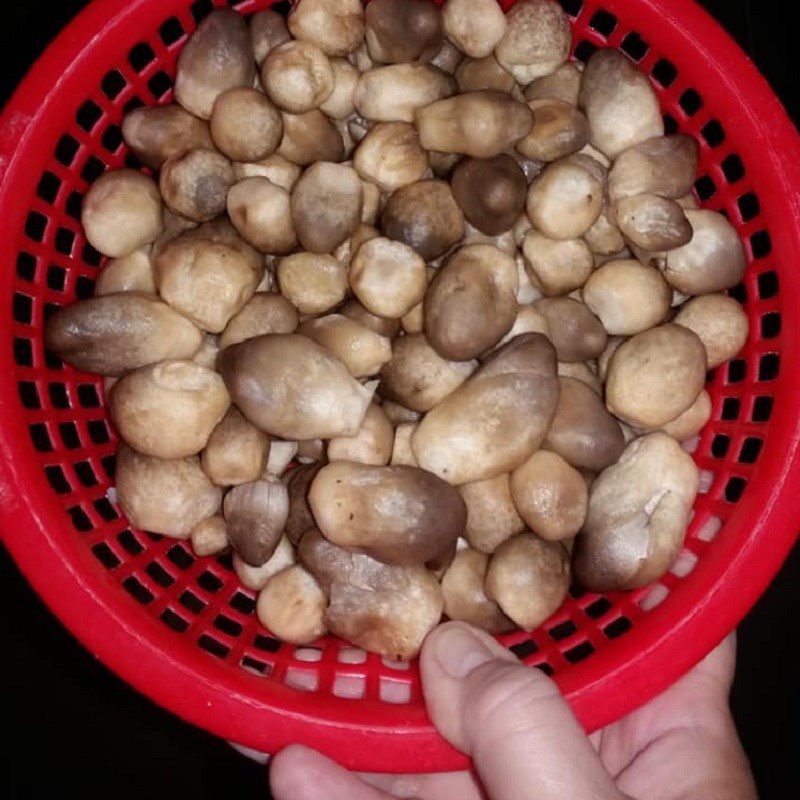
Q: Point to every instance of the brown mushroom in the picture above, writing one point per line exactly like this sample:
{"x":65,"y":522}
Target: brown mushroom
{"x":292,"y":388}
{"x":236,"y":451}
{"x":300,"y":517}
{"x":256,"y":578}
{"x":120,"y":332}
{"x":209,"y":537}
{"x":265,"y":312}
{"x":653,"y":223}
{"x":559,"y":266}
{"x":297,"y":76}
{"x":245,"y":126}
{"x":196,"y":184}
{"x":582,"y":432}
{"x":383,"y":326}
{"x":491,"y":515}
{"x":261,"y":212}
{"x":267,"y":31}
{"x":335,"y":26}
{"x":310,"y":137}
{"x":403,"y":30}
{"x":256,"y":513}
{"x":491,"y":192}
{"x":559,"y":129}
{"x":390,"y":156}
{"x":314,"y":283}
{"x":575,"y":332}
{"x":475,"y":75}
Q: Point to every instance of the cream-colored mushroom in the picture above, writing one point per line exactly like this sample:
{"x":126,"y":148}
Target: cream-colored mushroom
{"x":528,"y":578}
{"x":275,"y":167}
{"x":619,"y":103}
{"x":537,"y":39}
{"x":281,"y":455}
{"x":559,"y":129}
{"x":399,"y":414}
{"x":335,"y":26}
{"x":479,"y":124}
{"x":383,"y":326}
{"x":390,"y":156}
{"x":491,"y":515}
{"x":292,"y":388}
{"x":196,"y":184}
{"x":373,"y":444}
{"x":209,"y":537}
{"x":712,"y":261}
{"x":474,"y":26}
{"x":475,"y":75}
{"x":236,"y":451}
{"x":122,"y":212}
{"x":388,"y":277}
{"x":448,"y":58}
{"x":131,"y":273}
{"x":562,"y":84}
{"x":292,"y":606}
{"x":461,"y":443}
{"x":167,"y":496}
{"x":584,"y":371}
{"x":559,"y":266}
{"x":656,"y":375}
{"x":720,"y":323}
{"x":638,"y":512}
{"x":261,"y":212}
{"x":653,"y":223}
{"x":627,"y":297}
{"x":395,"y":92}
{"x":402,"y":455}
{"x":256,"y":578}
{"x":245,"y":125}
{"x":359,"y":348}
{"x":168,"y":409}
{"x":265,"y":312}
{"x":313,"y":283}
{"x":297,"y":76}
{"x":217,"y":57}
{"x":341,"y":103}
{"x":528,"y":320}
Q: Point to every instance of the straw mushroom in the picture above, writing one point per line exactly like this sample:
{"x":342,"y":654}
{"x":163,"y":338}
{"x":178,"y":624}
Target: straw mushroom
{"x":491,"y":515}
{"x":403,"y":30}
{"x":335,"y":26}
{"x":261,"y":212}
{"x":292,"y":606}
{"x":255,"y":513}
{"x":474,"y":26}
{"x":720,"y":323}
{"x":297,"y":76}
{"x":265,"y":312}
{"x":372,"y":445}
{"x":314,"y":283}
{"x":236,"y":451}
{"x":196,"y":184}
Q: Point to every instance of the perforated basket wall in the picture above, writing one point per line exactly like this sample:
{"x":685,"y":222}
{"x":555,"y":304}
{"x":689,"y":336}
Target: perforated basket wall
{"x":182,"y":629}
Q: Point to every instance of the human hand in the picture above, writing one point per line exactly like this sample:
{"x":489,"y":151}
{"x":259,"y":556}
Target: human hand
{"x":525,"y":743}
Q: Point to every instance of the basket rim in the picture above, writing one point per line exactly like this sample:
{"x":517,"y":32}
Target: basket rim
{"x":613,"y":682}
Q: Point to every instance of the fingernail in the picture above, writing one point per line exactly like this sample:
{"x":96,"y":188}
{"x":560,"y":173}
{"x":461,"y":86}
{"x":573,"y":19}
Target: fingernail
{"x":459,"y":651}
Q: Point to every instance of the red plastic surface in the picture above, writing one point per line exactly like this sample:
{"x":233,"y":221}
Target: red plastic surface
{"x":182,"y":630}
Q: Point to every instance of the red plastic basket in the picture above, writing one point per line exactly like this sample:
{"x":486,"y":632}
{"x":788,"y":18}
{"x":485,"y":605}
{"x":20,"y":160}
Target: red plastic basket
{"x":183,"y":630}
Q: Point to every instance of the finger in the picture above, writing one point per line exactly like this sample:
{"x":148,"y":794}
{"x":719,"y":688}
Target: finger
{"x":519,"y":731}
{"x":434,"y":786}
{"x":299,"y":773}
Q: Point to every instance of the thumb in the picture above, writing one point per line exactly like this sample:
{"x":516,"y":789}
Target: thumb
{"x":510,"y":719}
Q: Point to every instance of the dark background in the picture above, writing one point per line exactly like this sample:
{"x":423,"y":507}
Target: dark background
{"x":72,"y":725}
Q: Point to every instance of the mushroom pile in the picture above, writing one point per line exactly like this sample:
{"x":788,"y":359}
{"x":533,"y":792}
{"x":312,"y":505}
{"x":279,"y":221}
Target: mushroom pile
{"x":411,"y":312}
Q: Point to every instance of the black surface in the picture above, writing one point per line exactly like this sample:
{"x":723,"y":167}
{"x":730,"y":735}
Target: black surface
{"x":72,"y":725}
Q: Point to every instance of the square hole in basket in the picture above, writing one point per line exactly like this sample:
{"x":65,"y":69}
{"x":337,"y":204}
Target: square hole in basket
{"x":571,"y":7}
{"x":109,"y":464}
{"x":179,"y":557}
{"x":137,"y":590}
{"x":767,"y":284}
{"x":58,"y":395}
{"x":713,"y":133}
{"x":57,"y":479}
{"x":112,"y":138}
{"x":22,"y":308}
{"x":159,"y":574}
{"x":524,"y":649}
{"x":65,"y":239}
{"x":690,"y":102}
{"x":770,"y":325}
{"x":603,"y":22}
{"x":98,"y":431}
{"x":159,"y":84}
{"x":88,"y":115}
{"x":171,"y":31}
{"x":84,"y":287}
{"x":739,"y":292}
{"x":23,"y":352}
{"x":130,"y":543}
{"x":749,"y":207}
{"x":132,"y":104}
{"x":85,"y":473}
{"x":578,"y":653}
{"x":599,"y":607}
{"x":634,"y":46}
{"x":80,"y":519}
{"x":68,"y":431}
{"x":105,"y":555}
{"x":47,"y":188}
{"x":242,"y":603}
{"x":254,"y":665}
{"x":350,"y":687}
{"x":267,"y":643}
{"x":209,"y":581}
{"x":616,"y":628}
{"x":732,"y":168}
{"x":545,"y":668}
{"x":664,"y":72}
{"x":66,"y":150}
{"x":40,"y":437}
{"x":140,"y":56}
{"x":88,"y":396}
{"x":761,"y":244}
{"x":720,"y":445}
{"x":191,"y":601}
{"x":283,"y":8}
{"x":92,"y":169}
{"x":49,"y":310}
{"x":734,"y":488}
{"x":56,"y":278}
{"x":670,"y":124}
{"x":29,"y":394}
{"x":769,"y":367}
{"x":173,"y":621}
{"x":112,"y":84}
{"x":213,"y":646}
{"x":751,"y":450}
{"x":584,"y":50}
{"x":227,"y":625}
{"x":762,"y":409}
{"x":26,"y":267}
{"x":395,"y":692}
{"x":74,"y":205}
{"x":705,"y":187}
{"x":35,"y":226}
{"x":737,"y":369}
{"x":563,"y":630}
{"x":202,"y":8}
{"x":104,"y":508}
